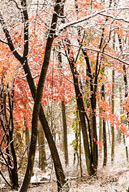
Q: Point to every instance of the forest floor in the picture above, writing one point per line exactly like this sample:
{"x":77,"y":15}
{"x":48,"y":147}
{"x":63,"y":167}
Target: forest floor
{"x":108,"y":179}
{"x":112,"y":178}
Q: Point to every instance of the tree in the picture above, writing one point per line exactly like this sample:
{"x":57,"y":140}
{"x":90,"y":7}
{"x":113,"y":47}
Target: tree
{"x":23,"y":60}
{"x":7,"y":149}
{"x":82,"y":35}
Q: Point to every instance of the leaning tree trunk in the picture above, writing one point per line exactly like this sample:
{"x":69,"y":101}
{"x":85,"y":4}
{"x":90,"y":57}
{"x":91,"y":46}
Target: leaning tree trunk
{"x":41,"y":147}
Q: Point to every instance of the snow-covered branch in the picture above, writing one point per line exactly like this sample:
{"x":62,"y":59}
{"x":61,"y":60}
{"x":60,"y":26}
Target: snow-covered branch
{"x":101,"y":12}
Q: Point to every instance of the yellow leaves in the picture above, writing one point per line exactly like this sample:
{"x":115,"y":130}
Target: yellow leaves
{"x":122,"y":117}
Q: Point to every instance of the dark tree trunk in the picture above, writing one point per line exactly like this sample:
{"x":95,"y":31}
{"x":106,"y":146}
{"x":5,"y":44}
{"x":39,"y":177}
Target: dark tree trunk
{"x":112,"y":126}
{"x":14,"y":171}
{"x":65,"y":139}
{"x":27,"y":136}
{"x":82,"y":115}
{"x":41,"y":146}
{"x":7,"y":124}
{"x":93,"y":90}
{"x":104,"y":134}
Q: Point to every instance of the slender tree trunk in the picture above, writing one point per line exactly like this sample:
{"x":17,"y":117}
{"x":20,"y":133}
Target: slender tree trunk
{"x":27,"y":135}
{"x":104,"y":133}
{"x":65,"y":139}
{"x":126,"y":93}
{"x":14,"y":171}
{"x":65,"y":134}
{"x":112,"y":126}
{"x":80,"y":150}
{"x":93,"y":89}
{"x":100,"y":132}
{"x":7,"y":123}
{"x":95,"y":146}
{"x":41,"y":146}
{"x":82,"y":115}
{"x":104,"y":143}
{"x":121,"y":112}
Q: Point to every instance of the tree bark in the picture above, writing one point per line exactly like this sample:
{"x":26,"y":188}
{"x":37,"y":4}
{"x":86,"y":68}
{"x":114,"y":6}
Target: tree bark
{"x":65,"y":139}
{"x":41,"y":146}
{"x":82,"y":115}
{"x":104,"y":133}
{"x":112,"y":126}
{"x":27,"y":135}
{"x":126,"y":94}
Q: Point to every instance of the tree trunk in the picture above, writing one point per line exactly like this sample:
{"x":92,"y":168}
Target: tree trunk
{"x":82,"y":116}
{"x":41,"y":146}
{"x":27,"y":136}
{"x":104,"y":133}
{"x":80,"y":150}
{"x":93,"y":89}
{"x":14,"y":171}
{"x":121,"y":112}
{"x":112,"y":126}
{"x":126,"y":92}
{"x":100,"y":132}
{"x":65,"y":139}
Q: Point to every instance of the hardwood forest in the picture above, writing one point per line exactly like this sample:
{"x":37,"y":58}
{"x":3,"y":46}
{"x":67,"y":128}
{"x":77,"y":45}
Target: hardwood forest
{"x":64,"y":95}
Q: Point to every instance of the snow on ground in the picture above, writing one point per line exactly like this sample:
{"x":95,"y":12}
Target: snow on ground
{"x":107,"y":180}
{"x":112,"y":178}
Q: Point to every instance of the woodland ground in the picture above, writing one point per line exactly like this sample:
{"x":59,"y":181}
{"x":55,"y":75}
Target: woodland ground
{"x":112,"y":178}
